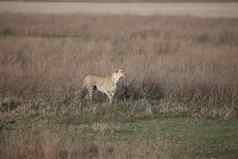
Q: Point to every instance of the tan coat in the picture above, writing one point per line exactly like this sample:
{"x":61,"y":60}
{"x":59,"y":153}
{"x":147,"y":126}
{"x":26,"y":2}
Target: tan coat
{"x":106,"y":85}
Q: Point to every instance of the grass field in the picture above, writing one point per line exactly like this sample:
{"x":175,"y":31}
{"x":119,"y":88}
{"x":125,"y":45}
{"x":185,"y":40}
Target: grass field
{"x":182,"y":69}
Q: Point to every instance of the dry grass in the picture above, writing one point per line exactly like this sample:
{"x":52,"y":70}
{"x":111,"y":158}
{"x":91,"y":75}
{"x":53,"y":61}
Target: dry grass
{"x":180,"y":57}
{"x":173,"y":64}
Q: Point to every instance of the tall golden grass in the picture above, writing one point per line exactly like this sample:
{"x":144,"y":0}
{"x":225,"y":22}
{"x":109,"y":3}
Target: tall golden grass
{"x":182,"y":57}
{"x":175,"y":61}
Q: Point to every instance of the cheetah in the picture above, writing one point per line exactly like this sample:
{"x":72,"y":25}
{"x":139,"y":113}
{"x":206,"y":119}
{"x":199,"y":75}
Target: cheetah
{"x":105,"y":85}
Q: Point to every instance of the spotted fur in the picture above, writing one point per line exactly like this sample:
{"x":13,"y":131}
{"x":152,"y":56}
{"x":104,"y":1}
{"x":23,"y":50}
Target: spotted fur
{"x":105,"y":85}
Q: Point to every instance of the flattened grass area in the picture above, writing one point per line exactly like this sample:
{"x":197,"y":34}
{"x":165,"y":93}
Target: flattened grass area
{"x":116,"y":134}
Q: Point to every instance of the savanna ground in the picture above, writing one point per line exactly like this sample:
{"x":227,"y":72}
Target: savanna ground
{"x":178,"y":100}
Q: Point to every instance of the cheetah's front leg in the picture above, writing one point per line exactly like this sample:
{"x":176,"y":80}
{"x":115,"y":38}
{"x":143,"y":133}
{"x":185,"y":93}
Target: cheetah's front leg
{"x":110,"y":95}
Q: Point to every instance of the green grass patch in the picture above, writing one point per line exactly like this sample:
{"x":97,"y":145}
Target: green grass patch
{"x":199,"y":138}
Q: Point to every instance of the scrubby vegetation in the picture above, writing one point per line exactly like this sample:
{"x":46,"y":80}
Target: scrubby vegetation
{"x":182,"y":82}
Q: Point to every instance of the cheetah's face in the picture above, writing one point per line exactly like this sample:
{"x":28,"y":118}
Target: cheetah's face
{"x":117,"y":75}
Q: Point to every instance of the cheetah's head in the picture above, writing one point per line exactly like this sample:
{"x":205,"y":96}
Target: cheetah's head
{"x":117,"y":75}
